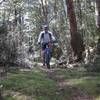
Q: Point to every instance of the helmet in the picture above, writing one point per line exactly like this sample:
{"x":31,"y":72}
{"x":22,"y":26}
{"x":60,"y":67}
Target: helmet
{"x":45,"y":27}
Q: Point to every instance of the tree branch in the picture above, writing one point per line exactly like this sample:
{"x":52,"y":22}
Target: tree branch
{"x":2,"y":2}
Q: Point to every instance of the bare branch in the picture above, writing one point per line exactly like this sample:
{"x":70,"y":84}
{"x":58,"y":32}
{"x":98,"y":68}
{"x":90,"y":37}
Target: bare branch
{"x":2,"y":2}
{"x":51,"y":18}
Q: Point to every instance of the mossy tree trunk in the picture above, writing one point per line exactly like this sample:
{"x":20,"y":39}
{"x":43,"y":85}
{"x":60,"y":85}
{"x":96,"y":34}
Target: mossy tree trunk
{"x":76,"y":39}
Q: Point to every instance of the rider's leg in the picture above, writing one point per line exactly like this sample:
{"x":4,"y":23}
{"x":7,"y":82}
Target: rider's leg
{"x":43,"y":54}
{"x":42,"y":57}
{"x":48,"y":57}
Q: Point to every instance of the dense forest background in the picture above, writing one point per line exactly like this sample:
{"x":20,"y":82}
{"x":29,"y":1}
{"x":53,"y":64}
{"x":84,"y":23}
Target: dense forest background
{"x":75,"y":24}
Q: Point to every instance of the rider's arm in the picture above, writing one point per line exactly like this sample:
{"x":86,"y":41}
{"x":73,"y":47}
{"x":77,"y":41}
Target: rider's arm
{"x":53,"y":37}
{"x":39,"y":39}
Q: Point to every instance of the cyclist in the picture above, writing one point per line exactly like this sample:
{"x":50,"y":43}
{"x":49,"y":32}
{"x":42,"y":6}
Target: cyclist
{"x":44,"y":38}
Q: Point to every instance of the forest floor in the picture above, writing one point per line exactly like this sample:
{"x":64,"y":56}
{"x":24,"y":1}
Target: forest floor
{"x":54,"y":84}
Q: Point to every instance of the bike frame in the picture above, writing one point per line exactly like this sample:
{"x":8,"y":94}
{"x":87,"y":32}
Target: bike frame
{"x":47,"y":54}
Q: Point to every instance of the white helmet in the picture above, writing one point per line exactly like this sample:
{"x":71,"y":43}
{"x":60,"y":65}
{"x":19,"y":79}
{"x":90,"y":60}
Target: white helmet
{"x":45,"y":26}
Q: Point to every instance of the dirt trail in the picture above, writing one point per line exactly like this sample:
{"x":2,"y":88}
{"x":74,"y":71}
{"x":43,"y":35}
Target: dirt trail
{"x":18,"y":95}
{"x":63,"y":87}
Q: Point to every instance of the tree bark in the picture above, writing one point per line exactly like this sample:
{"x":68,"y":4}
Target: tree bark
{"x":45,"y":12}
{"x":98,"y":24}
{"x":76,"y":39}
{"x":98,"y":13}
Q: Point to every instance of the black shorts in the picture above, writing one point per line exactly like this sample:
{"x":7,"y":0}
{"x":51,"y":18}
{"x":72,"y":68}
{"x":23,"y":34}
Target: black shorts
{"x":44,"y":45}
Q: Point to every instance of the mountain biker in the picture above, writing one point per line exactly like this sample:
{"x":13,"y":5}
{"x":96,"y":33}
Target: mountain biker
{"x":44,"y":38}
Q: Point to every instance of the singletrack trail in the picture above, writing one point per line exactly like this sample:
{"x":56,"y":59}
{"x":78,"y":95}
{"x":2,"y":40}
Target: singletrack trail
{"x":63,"y":87}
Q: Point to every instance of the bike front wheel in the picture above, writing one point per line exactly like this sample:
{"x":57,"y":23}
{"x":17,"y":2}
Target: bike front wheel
{"x":47,"y":59}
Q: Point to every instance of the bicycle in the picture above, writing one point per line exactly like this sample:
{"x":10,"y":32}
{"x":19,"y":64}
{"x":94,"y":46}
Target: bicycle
{"x":47,"y":55}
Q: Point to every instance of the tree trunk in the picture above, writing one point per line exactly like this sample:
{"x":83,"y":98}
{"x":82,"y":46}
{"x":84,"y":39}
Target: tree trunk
{"x":98,"y":13}
{"x":98,"y":24}
{"x":76,"y":39}
{"x":45,"y":12}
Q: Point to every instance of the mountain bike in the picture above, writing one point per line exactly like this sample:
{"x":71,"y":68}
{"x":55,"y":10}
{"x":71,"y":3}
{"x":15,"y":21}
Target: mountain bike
{"x":48,"y":54}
